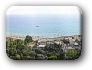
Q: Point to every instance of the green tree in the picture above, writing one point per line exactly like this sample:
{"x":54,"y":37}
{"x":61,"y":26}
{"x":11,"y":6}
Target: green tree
{"x":72,"y":53}
{"x":38,"y":51}
{"x":28,"y":39}
{"x":32,"y":54}
{"x":61,"y":56}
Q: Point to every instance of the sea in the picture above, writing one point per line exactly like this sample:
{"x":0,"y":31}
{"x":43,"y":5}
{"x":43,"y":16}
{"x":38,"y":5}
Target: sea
{"x":44,"y":25}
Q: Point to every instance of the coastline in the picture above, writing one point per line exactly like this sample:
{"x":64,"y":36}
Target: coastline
{"x":22,"y":37}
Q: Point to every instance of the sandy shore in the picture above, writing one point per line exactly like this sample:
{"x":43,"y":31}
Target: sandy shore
{"x":40,"y":38}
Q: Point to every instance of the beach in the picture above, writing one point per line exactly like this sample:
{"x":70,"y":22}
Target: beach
{"x":41,"y":38}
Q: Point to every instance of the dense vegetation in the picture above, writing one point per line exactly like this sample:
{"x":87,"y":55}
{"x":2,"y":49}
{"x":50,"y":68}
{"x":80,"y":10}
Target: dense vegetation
{"x":18,"y":50}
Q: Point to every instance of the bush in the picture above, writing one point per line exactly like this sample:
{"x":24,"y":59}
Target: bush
{"x":72,"y":53}
{"x":17,"y":56}
{"x":53,"y":57}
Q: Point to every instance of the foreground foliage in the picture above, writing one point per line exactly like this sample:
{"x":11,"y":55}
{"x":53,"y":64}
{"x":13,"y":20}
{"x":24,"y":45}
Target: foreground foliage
{"x":18,"y":50}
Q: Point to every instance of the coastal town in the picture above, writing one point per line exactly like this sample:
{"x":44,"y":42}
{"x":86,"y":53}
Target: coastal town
{"x":38,"y":33}
{"x":53,"y":45}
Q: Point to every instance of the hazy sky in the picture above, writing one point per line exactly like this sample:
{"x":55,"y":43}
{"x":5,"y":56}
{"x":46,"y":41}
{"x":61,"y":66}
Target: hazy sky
{"x":33,"y":10}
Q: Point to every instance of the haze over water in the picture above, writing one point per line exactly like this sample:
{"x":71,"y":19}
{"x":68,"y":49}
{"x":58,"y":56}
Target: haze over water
{"x":46,"y":25}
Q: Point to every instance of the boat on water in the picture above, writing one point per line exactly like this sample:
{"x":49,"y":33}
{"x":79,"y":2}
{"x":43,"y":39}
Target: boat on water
{"x":37,"y":26}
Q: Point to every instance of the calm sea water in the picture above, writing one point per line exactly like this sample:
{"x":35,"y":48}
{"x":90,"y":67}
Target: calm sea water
{"x":43,"y":25}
